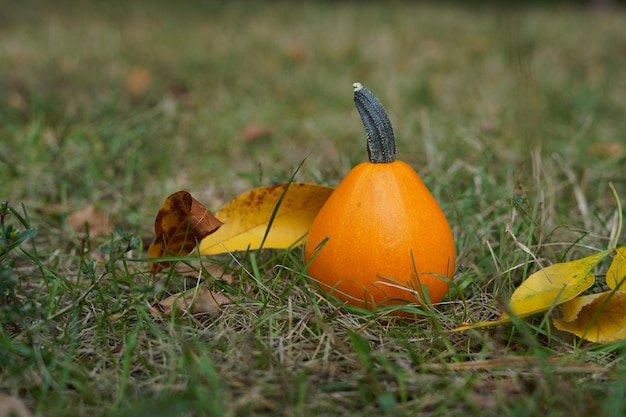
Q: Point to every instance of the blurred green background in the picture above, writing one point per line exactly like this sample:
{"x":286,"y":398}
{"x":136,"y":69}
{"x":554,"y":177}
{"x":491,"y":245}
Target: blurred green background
{"x":103,"y":99}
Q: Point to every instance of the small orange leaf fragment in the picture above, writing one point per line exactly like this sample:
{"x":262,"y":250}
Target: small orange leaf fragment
{"x":612,"y":149}
{"x":254,"y":132}
{"x":599,"y":318}
{"x":180,"y":224}
{"x":138,"y":80}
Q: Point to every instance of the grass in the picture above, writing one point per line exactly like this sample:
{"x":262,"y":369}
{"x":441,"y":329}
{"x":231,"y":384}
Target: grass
{"x":513,"y":117}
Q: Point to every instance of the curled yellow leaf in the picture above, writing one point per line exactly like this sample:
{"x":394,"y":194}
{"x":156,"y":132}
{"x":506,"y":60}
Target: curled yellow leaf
{"x":616,"y":275}
{"x":290,"y":208}
{"x":546,"y":288}
{"x":599,"y":318}
{"x":554,"y":285}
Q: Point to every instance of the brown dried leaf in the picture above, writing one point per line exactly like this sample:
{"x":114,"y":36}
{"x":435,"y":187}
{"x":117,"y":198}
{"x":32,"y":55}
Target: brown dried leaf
{"x":298,"y":53}
{"x":138,"y":80}
{"x":191,"y":269}
{"x":181,"y":223}
{"x":194,"y":301}
{"x":254,"y":132}
{"x":56,"y":209}
{"x":99,"y":223}
{"x":611,"y":149}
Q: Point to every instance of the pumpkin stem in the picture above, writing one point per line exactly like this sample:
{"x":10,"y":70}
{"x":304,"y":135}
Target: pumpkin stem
{"x":381,"y":143}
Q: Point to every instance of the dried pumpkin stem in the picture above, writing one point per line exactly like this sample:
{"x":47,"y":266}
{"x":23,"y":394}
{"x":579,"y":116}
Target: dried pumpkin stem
{"x":381,"y":143}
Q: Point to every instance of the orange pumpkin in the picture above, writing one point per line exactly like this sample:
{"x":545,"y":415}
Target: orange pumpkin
{"x":381,"y":238}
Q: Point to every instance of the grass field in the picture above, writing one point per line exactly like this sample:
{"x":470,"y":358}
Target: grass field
{"x":514,"y":118}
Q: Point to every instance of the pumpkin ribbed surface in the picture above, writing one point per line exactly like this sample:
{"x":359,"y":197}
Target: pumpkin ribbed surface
{"x":386,"y":234}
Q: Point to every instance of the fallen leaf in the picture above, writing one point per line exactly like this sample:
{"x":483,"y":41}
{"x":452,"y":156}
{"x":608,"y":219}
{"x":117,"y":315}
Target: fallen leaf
{"x":546,"y":288}
{"x":515,"y":362}
{"x":254,"y":132}
{"x":599,"y":318}
{"x":616,"y":275}
{"x":298,"y":53}
{"x":194,"y":301}
{"x":99,"y":223}
{"x":468,"y":326}
{"x":610,"y":149}
{"x":12,"y":407}
{"x":17,"y":100}
{"x":56,"y":209}
{"x":181,"y":223}
{"x":554,"y":285}
{"x":178,"y":89}
{"x":188,"y":269}
{"x":247,"y":218}
{"x":138,"y":80}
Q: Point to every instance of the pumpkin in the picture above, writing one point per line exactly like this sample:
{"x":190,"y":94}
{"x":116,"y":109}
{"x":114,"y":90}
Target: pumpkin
{"x":381,"y":238}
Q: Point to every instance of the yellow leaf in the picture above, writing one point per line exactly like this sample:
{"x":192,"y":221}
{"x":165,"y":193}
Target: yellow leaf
{"x":550,"y":286}
{"x":616,"y":275}
{"x":599,"y":318}
{"x":247,"y":217}
{"x":554,"y":285}
{"x":181,"y":222}
{"x":468,"y":326}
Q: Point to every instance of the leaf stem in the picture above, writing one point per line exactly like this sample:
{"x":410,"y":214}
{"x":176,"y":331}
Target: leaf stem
{"x":381,"y":143}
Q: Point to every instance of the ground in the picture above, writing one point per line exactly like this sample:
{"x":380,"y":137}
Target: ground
{"x":514,"y":118}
